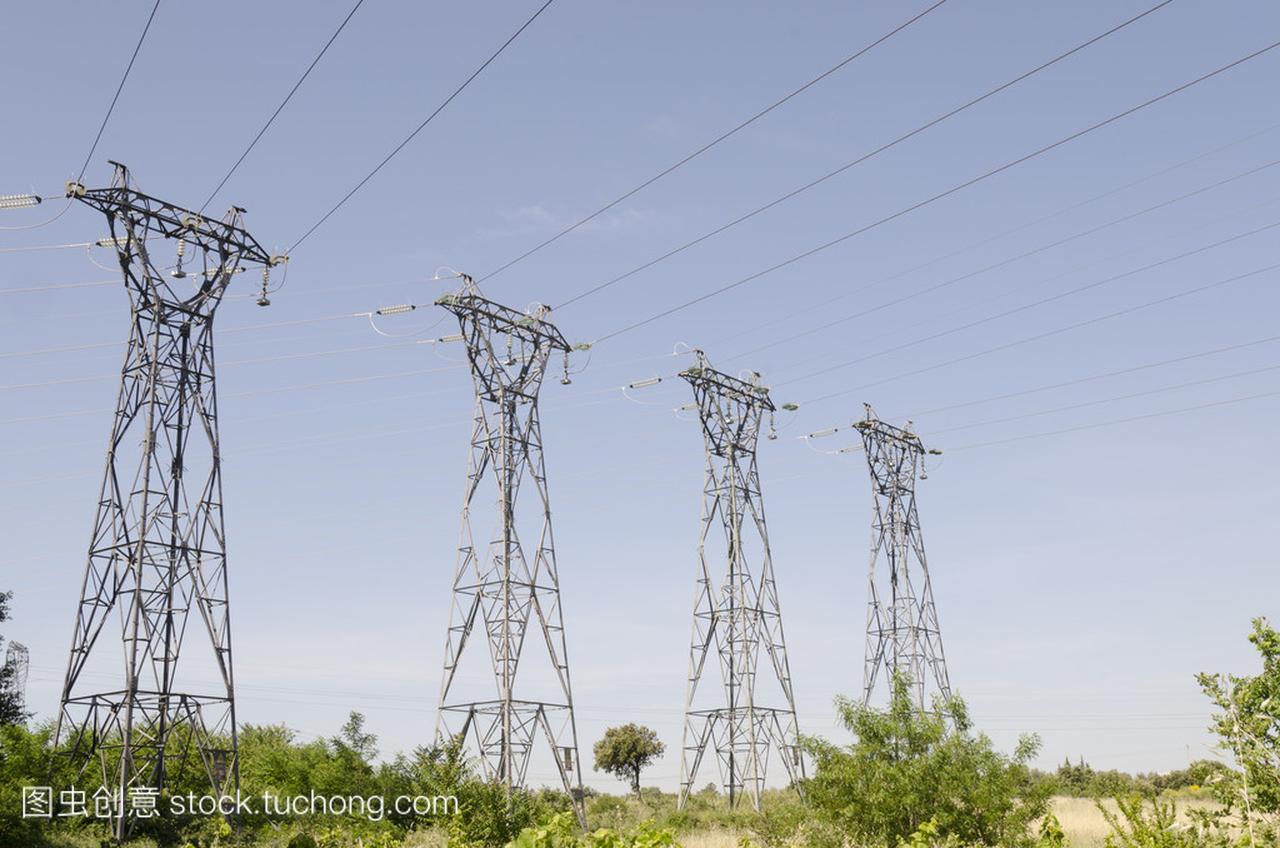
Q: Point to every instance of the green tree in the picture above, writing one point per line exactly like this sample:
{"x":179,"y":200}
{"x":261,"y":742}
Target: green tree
{"x":624,"y":751}
{"x":28,"y":758}
{"x":353,"y":737}
{"x":911,"y":767}
{"x":1248,"y":728}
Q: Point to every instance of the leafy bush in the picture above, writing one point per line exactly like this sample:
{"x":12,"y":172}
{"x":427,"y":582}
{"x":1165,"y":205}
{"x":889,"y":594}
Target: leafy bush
{"x":909,"y":767}
{"x":1248,"y":728}
{"x":561,"y":831}
{"x":1153,"y":823}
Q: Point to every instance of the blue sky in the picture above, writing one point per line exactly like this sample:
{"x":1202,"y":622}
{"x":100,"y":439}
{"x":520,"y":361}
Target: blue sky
{"x":1081,"y":579}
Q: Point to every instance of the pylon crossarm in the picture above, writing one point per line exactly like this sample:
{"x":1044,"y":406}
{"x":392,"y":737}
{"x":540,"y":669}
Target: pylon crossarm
{"x":148,"y":216}
{"x":501,"y":320}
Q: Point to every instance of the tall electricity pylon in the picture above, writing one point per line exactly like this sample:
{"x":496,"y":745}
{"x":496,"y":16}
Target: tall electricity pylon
{"x":736,"y":612}
{"x":498,"y":589}
{"x":18,"y":660}
{"x":902,"y":621}
{"x":158,"y":546}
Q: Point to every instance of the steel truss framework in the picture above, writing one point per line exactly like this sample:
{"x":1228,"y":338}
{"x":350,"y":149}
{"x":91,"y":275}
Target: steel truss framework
{"x":504,"y":588}
{"x":17,"y":661}
{"x":158,"y":547}
{"x":736,"y":614}
{"x":902,"y":621}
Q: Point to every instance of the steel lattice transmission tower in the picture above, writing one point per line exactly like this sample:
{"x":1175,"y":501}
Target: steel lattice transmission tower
{"x":736,"y":614}
{"x":158,"y":547}
{"x":506,"y":586}
{"x":18,"y":659}
{"x":902,"y":621}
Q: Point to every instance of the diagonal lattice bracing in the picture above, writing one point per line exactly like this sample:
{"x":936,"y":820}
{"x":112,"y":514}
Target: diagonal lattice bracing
{"x":902,"y":622}
{"x":737,"y":620}
{"x":506,"y":588}
{"x":158,"y":549}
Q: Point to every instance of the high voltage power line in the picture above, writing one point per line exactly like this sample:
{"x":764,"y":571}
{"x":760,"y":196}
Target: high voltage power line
{"x":283,"y":104}
{"x":342,"y":381}
{"x":396,"y":150}
{"x":1204,"y":381}
{"x":493,"y":56}
{"x":255,"y":361}
{"x":58,"y":286}
{"x":1077,"y":381}
{"x":1093,"y":377}
{"x":1047,"y":333}
{"x":1063,"y":210}
{"x":860,"y":159}
{"x":715,"y":141}
{"x":1175,"y":236}
{"x":843,"y":295}
{"x":259,"y":360}
{"x":1041,"y":302}
{"x":321,"y":440}
{"x":380,"y":346}
{"x":99,"y":345}
{"x":1004,"y":262}
{"x":1117,"y":421}
{"x":116,"y":97}
{"x":105,"y":120}
{"x":312,"y":354}
{"x":934,"y":198}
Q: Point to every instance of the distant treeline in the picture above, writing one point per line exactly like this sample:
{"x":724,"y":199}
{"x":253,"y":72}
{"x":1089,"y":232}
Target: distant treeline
{"x":1081,"y":780}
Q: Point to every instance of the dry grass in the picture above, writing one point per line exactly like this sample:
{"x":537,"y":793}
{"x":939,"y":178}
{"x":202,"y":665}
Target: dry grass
{"x":1080,"y":818}
{"x":709,"y":839}
{"x":1085,"y":826}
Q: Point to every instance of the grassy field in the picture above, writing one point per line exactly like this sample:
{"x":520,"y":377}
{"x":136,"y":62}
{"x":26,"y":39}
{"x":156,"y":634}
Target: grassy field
{"x":1080,"y":818}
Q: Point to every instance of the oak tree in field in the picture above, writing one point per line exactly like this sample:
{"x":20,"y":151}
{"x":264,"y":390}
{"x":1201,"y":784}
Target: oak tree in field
{"x":624,"y":751}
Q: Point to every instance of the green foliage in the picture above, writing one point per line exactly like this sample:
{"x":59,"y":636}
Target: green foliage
{"x":1133,"y":826}
{"x":624,"y":751}
{"x":909,"y":767}
{"x":1051,"y":833}
{"x":353,"y":738}
{"x":930,"y":835}
{"x":489,"y":818}
{"x":561,"y":831}
{"x":790,"y":824}
{"x":1248,"y":727}
{"x":1154,"y":823}
{"x":1199,"y":774}
{"x":273,"y":760}
{"x":27,"y":758}
{"x":1080,"y":780}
